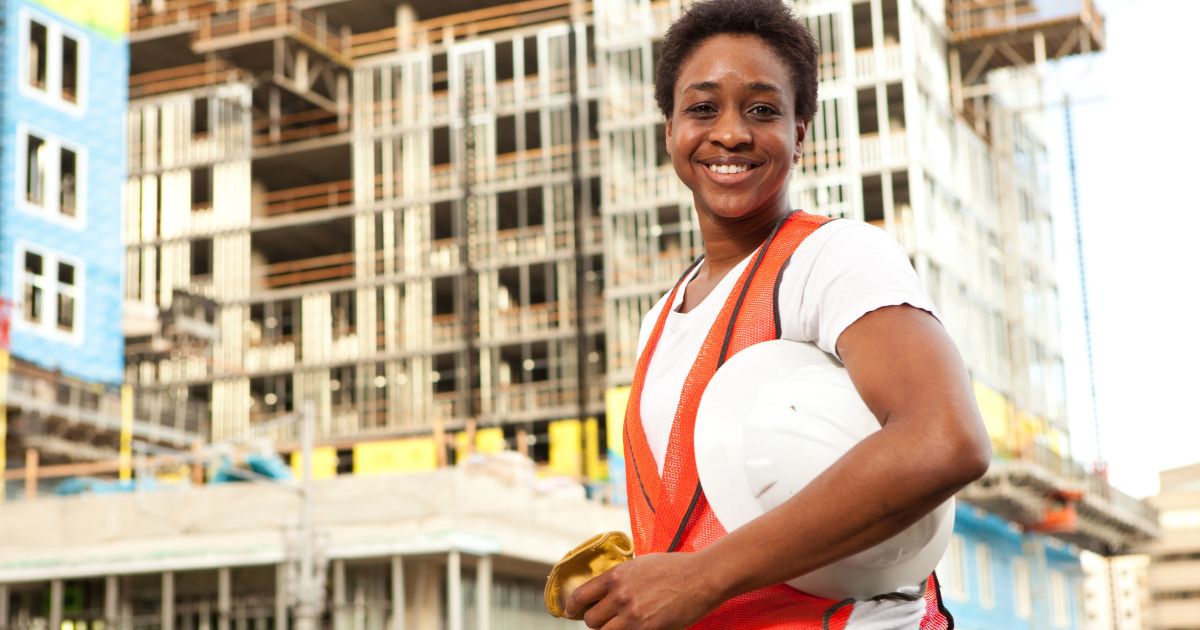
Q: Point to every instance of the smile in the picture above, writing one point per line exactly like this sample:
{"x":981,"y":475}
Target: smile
{"x":730,"y":168}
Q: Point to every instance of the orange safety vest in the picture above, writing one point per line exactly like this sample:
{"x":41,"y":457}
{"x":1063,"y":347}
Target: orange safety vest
{"x":670,"y":513}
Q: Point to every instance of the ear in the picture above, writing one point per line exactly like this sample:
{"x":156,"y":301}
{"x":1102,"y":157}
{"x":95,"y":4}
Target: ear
{"x":670,"y":148}
{"x":801,"y":133}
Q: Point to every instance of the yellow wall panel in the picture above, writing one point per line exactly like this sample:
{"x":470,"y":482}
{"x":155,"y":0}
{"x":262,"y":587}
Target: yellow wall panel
{"x":615,"y":401}
{"x":490,"y":440}
{"x":392,"y":456}
{"x":108,"y":17}
{"x":566,"y":447}
{"x":324,"y":464}
{"x":593,"y":467}
{"x":487,"y":441}
{"x":995,"y":409}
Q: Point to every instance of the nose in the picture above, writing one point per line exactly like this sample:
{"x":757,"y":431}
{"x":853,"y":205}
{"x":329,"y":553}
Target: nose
{"x":730,"y":130}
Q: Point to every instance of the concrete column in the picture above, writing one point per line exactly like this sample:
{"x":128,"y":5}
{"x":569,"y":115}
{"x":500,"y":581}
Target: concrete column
{"x":399,"y":609}
{"x":454,"y":596}
{"x":224,"y":597}
{"x":483,"y":593}
{"x":111,"y":592}
{"x":56,"y":603}
{"x":339,"y":595}
{"x":281,"y":590}
{"x":31,"y":475}
{"x":168,"y":600}
{"x":204,"y":623}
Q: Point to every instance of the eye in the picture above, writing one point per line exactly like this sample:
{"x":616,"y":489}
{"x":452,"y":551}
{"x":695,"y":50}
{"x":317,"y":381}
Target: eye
{"x":702,"y":110}
{"x":764,"y":111}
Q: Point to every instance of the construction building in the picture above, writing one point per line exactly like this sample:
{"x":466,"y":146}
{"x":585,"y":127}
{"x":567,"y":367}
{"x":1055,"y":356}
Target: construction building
{"x":62,"y":106}
{"x":440,"y":223}
{"x":454,"y":548}
{"x":1116,"y":594}
{"x":1173,"y":576}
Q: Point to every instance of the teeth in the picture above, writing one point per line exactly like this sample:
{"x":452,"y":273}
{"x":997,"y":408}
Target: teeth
{"x":729,"y":168}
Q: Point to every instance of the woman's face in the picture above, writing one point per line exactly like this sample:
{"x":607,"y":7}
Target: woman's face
{"x":733,"y":133}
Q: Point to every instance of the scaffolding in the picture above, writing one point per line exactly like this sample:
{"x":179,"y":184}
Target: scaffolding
{"x":399,"y":221}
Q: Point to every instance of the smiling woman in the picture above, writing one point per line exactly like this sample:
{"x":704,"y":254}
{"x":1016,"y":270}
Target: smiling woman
{"x":737,"y":84}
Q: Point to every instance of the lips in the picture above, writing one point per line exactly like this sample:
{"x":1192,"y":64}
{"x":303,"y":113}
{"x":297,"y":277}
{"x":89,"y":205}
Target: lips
{"x":728,"y":171}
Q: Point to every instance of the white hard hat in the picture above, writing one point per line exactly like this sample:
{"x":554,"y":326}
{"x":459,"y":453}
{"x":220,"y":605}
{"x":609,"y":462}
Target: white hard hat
{"x":775,"y":416}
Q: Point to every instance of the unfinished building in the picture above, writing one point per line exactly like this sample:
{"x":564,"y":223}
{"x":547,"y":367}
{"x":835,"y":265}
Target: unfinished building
{"x":398,"y":217}
{"x":429,"y":219}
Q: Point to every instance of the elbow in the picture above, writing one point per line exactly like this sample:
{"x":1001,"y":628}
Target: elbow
{"x":966,"y":452}
{"x":971,"y":452}
{"x":977,"y":457}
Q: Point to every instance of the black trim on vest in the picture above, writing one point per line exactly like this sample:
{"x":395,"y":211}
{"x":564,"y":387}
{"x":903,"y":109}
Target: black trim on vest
{"x":687,"y":516}
{"x":829,"y":612}
{"x":737,"y":307}
{"x":625,"y":427}
{"x":762,"y":253}
{"x":637,"y":473}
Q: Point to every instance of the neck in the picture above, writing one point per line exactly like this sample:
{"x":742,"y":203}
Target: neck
{"x":727,"y":242}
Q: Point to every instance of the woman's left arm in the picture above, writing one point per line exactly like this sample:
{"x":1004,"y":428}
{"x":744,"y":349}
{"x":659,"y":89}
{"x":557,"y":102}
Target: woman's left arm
{"x":932,"y":444}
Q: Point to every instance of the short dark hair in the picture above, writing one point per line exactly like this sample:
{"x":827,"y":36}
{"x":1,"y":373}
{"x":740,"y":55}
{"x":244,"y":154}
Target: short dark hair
{"x":767,"y":19}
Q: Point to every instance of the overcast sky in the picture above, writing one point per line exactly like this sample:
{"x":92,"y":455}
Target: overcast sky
{"x":1136,"y":142}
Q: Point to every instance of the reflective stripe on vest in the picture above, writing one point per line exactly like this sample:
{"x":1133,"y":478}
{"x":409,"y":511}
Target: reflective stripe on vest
{"x":669,"y":512}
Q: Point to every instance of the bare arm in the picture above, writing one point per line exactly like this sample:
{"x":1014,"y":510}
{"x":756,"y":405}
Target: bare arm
{"x":910,"y":375}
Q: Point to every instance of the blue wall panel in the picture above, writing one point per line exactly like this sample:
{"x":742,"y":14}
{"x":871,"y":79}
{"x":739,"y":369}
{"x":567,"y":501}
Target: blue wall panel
{"x":98,"y":353}
{"x":1006,"y":543}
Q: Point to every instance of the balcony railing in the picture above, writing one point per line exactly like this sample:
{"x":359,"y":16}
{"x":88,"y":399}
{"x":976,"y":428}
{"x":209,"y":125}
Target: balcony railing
{"x":189,"y":77}
{"x":145,"y":16}
{"x":306,"y":271}
{"x":55,"y":396}
{"x":310,"y":197}
{"x":305,"y":125}
{"x":462,"y":25}
{"x":250,"y":18}
{"x":978,"y":18}
{"x":875,"y":153}
{"x":868,"y":67}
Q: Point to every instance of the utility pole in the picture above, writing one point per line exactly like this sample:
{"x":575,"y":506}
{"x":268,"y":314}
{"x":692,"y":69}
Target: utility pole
{"x":307,"y":584}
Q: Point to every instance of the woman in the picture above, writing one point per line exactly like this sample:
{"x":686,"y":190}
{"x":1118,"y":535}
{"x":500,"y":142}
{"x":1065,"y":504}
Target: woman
{"x":737,"y":83}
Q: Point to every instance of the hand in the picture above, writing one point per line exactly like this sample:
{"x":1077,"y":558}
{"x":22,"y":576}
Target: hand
{"x":661,"y":591}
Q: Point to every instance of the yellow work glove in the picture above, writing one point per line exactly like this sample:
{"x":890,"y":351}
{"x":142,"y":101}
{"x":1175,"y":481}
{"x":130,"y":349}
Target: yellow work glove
{"x":595,"y":556}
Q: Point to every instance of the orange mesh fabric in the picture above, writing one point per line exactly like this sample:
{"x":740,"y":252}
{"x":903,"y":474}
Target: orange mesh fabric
{"x":670,"y":513}
{"x":936,"y":615}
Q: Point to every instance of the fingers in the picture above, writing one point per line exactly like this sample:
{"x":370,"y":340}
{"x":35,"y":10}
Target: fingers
{"x":603,"y":614}
{"x":585,"y":596}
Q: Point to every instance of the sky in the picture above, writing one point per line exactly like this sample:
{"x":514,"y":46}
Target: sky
{"x":1136,"y":139}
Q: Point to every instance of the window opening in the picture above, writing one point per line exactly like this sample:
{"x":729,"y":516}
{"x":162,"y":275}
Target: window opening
{"x":66,"y":297}
{"x":38,"y":46}
{"x":70,"y":69}
{"x":35,"y":170}
{"x":68,"y":163}
{"x":202,"y":188}
{"x":34,"y":287}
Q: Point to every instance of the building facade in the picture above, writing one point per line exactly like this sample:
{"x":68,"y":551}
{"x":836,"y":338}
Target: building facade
{"x":1116,"y":593}
{"x":454,"y":548}
{"x":1173,"y":576}
{"x":62,"y":124}
{"x":63,"y":99}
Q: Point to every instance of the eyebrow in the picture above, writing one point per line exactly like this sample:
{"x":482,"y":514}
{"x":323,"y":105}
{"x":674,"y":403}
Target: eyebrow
{"x":712,"y":86}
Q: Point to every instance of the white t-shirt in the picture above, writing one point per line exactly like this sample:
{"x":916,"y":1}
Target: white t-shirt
{"x":842,"y":271}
